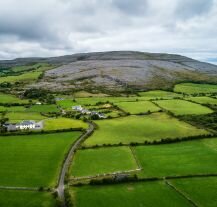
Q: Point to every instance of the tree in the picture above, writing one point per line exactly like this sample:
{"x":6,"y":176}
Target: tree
{"x":5,"y":85}
{"x":40,"y":94}
{"x":94,"y":117}
{"x":2,"y":122}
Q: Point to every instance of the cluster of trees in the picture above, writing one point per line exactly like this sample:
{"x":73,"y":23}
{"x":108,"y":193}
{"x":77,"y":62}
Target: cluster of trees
{"x":2,"y":122}
{"x":40,"y":94}
{"x":68,"y":198}
{"x":114,"y":180}
{"x":5,"y":85}
{"x":208,"y":121}
{"x":72,"y":114}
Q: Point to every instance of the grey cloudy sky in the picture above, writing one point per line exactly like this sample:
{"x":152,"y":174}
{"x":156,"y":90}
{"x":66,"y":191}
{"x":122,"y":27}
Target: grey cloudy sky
{"x":59,"y":27}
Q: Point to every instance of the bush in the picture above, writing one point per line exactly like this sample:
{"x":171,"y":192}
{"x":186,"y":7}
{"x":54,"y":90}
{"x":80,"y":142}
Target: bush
{"x":68,"y":199}
{"x":41,"y":188}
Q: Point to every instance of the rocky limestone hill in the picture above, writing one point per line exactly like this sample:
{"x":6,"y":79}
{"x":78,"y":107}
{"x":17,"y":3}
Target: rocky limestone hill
{"x":120,"y":71}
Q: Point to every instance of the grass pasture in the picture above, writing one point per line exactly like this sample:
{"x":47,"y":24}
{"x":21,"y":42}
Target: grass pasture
{"x":148,"y":194}
{"x":8,"y":98}
{"x":63,"y":123}
{"x":20,"y":116}
{"x":201,"y":190}
{"x":12,"y":109}
{"x":85,"y":94}
{"x":92,"y":162}
{"x":43,"y":108}
{"x":33,"y":160}
{"x":67,"y":103}
{"x":29,"y":76}
{"x":138,"y":107}
{"x":38,"y":67}
{"x":182,"y":107}
{"x":93,"y":101}
{"x":193,"y":88}
{"x":184,"y":158}
{"x":203,"y":100}
{"x":158,"y":94}
{"x":11,"y":198}
{"x":139,"y":129}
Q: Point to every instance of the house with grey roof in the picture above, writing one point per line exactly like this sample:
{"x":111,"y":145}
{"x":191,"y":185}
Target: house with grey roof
{"x":24,"y":125}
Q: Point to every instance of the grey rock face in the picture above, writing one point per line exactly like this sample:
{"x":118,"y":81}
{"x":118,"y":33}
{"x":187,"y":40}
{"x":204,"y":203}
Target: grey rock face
{"x":120,"y":70}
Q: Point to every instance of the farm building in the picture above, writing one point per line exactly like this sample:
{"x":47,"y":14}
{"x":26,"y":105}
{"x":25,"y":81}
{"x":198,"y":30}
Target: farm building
{"x":77,"y":108}
{"x":24,"y":125}
{"x":88,"y":112}
{"x":10,"y":127}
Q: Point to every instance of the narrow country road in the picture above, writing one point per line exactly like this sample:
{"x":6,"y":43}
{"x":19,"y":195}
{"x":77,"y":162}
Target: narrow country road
{"x":65,"y":167}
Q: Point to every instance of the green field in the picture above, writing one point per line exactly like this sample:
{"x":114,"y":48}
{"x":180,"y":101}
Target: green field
{"x":12,"y":109}
{"x":182,"y":107}
{"x":43,"y":108}
{"x":11,"y":198}
{"x":85,"y":94}
{"x":68,"y":103}
{"x":203,"y":100}
{"x":193,"y":88}
{"x":147,"y":194}
{"x":92,"y":162}
{"x":138,"y":107}
{"x":93,"y":101}
{"x":203,"y":191}
{"x":140,"y":128}
{"x":63,"y":123}
{"x":8,"y":98}
{"x":114,"y":114}
{"x":33,"y":160}
{"x":20,"y":116}
{"x":38,"y":67}
{"x":29,"y":76}
{"x":184,"y":158}
{"x":158,"y":94}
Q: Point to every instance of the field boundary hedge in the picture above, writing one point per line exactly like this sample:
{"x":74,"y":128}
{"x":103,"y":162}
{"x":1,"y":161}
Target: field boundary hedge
{"x":41,"y":132}
{"x":135,"y":178}
{"x":154,"y":142}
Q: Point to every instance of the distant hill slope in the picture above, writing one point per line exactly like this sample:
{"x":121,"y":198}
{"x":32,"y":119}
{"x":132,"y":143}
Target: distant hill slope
{"x":120,"y":71}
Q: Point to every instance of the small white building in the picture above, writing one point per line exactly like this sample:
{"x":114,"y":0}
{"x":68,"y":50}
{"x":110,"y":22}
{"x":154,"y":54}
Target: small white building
{"x":26,"y":125}
{"x":88,"y":112}
{"x":38,"y":103}
{"x":77,"y":108}
{"x":101,"y":116}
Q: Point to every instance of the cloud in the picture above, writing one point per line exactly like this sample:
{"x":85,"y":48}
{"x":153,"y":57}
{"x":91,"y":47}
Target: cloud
{"x":129,"y":7}
{"x":187,"y":9}
{"x":58,"y":27}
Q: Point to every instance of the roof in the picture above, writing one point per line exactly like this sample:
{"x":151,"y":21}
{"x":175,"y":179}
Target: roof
{"x":27,"y":122}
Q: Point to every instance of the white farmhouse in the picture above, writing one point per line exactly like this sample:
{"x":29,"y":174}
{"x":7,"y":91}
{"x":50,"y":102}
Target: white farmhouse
{"x":77,"y":108}
{"x":26,"y":125}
